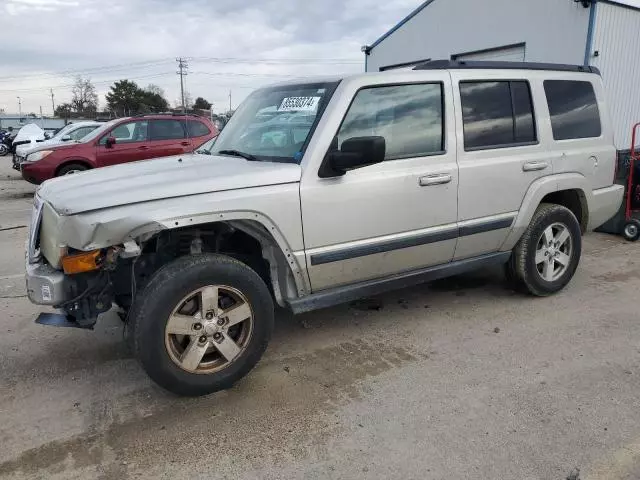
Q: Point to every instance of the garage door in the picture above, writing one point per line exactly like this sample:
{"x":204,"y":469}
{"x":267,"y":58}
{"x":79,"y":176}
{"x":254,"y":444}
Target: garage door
{"x":512,"y":53}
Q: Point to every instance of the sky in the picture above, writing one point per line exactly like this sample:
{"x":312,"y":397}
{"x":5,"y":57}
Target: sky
{"x":232,"y":45}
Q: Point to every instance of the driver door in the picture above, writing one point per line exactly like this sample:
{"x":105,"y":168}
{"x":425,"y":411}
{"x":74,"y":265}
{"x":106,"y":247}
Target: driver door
{"x":394,"y":216}
{"x":132,"y":144}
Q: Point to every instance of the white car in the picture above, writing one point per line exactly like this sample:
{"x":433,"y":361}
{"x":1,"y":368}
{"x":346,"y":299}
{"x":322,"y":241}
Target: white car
{"x":72,"y":132}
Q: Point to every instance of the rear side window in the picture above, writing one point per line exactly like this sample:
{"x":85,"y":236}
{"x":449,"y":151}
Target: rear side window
{"x":409,"y":117}
{"x":573,"y":109}
{"x":166,"y":130}
{"x":497,"y":114}
{"x":197,"y":129}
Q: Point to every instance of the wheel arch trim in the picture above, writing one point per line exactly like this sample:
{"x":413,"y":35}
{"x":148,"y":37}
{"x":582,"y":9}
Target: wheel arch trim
{"x":536,"y":192}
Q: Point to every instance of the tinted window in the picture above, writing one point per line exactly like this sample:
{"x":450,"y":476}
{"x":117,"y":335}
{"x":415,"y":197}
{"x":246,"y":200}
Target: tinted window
{"x":166,"y":130}
{"x":573,"y":109}
{"x":496,"y":114}
{"x":128,"y":132}
{"x":197,"y":129}
{"x":409,"y":117}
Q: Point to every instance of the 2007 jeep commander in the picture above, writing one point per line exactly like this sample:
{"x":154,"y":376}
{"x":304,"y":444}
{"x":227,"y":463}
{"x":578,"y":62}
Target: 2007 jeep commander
{"x":323,"y":191}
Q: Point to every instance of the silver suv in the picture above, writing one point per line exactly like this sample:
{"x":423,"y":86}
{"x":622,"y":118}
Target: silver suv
{"x":323,"y":191}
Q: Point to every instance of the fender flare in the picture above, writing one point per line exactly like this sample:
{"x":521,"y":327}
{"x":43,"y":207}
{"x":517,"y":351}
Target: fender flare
{"x":536,"y":192}
{"x":289,"y":277}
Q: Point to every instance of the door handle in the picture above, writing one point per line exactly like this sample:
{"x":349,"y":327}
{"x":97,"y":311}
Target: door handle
{"x":143,"y":147}
{"x":185,"y":144}
{"x":534,"y":166}
{"x":440,"y":179}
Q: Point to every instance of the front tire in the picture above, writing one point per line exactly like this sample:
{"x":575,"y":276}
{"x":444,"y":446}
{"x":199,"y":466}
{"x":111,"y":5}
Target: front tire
{"x":547,"y":256}
{"x":201,"y":324}
{"x":71,"y":169}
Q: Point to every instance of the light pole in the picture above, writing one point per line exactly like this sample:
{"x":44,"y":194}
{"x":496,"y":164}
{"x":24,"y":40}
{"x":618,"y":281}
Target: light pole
{"x":19,"y":108}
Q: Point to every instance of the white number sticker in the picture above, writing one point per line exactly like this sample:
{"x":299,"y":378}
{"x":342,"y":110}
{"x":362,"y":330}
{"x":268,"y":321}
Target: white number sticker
{"x":299,"y":104}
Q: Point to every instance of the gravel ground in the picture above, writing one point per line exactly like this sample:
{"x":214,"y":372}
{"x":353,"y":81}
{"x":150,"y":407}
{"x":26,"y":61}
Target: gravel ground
{"x":459,"y":379}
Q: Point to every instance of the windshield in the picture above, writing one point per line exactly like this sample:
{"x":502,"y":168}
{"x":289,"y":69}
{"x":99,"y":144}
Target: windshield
{"x":100,"y":130}
{"x":63,"y":131}
{"x":274,"y":124}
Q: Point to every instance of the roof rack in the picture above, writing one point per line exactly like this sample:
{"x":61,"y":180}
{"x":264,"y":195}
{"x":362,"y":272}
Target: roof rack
{"x":166,"y":114}
{"x":495,"y":65}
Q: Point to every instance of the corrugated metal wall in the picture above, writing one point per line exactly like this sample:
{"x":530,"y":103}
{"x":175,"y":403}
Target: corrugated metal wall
{"x":617,"y":41}
{"x":553,"y":31}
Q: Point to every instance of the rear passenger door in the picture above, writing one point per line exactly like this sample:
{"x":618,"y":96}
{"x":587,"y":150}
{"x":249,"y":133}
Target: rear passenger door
{"x":167,"y":137}
{"x":499,"y":156}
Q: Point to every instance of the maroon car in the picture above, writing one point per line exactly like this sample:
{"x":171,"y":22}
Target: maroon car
{"x":120,"y":141}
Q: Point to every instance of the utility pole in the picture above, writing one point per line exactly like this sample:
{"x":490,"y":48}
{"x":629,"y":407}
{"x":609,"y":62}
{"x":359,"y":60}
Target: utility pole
{"x":229,"y":99}
{"x":19,"y":107}
{"x":41,"y":117}
{"x":182,"y":71}
{"x":53,"y":105}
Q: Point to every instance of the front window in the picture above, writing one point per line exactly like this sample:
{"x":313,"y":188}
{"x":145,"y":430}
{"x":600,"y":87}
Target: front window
{"x":274,"y":124}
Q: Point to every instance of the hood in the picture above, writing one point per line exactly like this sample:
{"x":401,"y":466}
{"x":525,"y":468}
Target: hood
{"x":161,"y":178}
{"x":29,"y":132}
{"x":27,"y":148}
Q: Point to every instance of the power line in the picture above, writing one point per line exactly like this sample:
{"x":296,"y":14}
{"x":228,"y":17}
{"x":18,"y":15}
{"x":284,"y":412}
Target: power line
{"x":101,"y":82}
{"x":152,"y":63}
{"x":89,"y":70}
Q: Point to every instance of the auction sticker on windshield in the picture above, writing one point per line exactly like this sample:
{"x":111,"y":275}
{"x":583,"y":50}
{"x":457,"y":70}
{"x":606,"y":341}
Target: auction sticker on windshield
{"x":299,"y":104}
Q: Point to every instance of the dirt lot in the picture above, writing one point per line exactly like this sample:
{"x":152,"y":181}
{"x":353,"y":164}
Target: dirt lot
{"x":458,"y":379}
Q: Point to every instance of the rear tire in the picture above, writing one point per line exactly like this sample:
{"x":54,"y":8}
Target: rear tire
{"x":177,"y":324}
{"x":546,"y":257}
{"x":631,"y":230}
{"x":71,"y":169}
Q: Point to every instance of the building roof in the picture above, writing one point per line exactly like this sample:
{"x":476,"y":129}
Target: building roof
{"x":634,"y":4}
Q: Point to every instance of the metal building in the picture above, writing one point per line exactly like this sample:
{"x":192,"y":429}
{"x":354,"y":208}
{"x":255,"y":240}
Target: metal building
{"x":601,"y":33}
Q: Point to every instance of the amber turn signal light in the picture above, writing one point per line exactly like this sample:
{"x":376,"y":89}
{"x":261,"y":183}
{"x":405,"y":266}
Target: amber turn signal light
{"x":81,"y":262}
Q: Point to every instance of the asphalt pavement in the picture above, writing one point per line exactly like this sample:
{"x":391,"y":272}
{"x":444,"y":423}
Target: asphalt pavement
{"x":459,"y":379}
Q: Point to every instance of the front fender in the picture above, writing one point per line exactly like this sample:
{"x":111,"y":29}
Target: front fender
{"x":537,"y":191}
{"x":275,"y":208}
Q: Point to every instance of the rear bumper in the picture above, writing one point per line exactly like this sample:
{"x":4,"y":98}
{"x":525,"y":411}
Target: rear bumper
{"x":604,"y":204}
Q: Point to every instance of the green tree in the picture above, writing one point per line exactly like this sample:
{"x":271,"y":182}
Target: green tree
{"x":63,"y":110}
{"x":152,"y":100}
{"x":201,"y":104}
{"x":124,"y":98}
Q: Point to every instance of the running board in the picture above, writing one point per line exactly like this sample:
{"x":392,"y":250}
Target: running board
{"x":60,"y":320}
{"x":348,"y":293}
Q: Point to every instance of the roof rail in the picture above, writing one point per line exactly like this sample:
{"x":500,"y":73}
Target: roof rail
{"x":495,"y":65}
{"x":166,"y":114}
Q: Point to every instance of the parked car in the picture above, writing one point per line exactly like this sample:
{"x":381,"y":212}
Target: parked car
{"x":403,"y":177}
{"x":120,"y":141}
{"x":74,"y":132}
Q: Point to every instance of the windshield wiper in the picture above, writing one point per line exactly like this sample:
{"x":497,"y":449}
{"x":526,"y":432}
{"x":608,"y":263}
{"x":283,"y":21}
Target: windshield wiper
{"x":238,"y":153}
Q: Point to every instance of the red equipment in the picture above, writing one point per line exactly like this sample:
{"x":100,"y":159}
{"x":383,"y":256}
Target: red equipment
{"x":631,"y":230}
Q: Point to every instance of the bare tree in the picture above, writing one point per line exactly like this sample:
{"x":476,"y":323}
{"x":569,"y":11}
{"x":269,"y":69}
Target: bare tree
{"x":84,"y":97}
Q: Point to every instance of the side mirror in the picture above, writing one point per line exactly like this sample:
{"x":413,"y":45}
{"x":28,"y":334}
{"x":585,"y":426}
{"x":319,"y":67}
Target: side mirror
{"x":355,"y":153}
{"x":110,"y":142}
{"x":66,"y":138}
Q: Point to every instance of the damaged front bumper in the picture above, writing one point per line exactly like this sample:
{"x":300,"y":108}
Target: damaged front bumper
{"x":45,"y":284}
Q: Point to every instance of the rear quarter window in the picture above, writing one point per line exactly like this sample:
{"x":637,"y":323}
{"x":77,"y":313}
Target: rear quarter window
{"x":197,"y":129}
{"x":573,"y":109}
